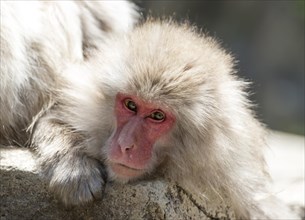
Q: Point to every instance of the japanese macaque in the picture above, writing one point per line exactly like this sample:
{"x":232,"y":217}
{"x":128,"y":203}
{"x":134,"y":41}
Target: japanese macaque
{"x":162,"y":99}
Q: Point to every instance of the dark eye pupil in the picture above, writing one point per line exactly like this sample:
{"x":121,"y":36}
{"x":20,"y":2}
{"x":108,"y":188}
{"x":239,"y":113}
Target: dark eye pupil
{"x":157,"y":116}
{"x":131,"y":105}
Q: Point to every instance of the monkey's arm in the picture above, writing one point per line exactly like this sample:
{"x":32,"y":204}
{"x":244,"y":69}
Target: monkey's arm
{"x":71,"y":172}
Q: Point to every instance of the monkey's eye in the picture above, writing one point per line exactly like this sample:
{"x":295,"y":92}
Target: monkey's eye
{"x":131,"y":105}
{"x":157,"y":116}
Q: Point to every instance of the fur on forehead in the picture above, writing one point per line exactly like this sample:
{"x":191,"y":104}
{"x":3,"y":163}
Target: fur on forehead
{"x":173,"y":64}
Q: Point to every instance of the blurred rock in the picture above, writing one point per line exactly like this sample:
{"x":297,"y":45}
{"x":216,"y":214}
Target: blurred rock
{"x":285,"y":158}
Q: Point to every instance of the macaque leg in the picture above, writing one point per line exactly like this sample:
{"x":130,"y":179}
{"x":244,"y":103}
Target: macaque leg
{"x":73,"y":175}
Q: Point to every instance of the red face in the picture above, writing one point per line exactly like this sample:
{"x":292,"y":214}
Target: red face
{"x":139,"y":125}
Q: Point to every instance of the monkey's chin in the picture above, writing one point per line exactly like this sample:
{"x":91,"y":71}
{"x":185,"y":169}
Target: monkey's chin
{"x":123,"y":173}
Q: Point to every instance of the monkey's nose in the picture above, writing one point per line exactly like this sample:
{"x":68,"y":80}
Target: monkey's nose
{"x":126,"y":148}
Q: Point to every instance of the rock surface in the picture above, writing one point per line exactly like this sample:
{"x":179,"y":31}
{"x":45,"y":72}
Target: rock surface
{"x":24,"y":195}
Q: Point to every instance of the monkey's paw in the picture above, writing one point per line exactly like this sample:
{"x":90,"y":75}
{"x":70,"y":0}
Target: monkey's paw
{"x":78,"y":182}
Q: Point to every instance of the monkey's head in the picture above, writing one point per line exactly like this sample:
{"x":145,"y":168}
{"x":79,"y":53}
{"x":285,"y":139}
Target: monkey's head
{"x":165,"y":91}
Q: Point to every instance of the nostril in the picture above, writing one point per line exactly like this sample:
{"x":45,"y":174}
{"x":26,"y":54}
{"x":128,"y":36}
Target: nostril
{"x":126,"y":148}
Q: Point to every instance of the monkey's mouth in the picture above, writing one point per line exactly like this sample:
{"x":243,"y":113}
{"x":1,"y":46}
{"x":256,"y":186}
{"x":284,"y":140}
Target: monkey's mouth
{"x":123,"y":165}
{"x":124,"y":171}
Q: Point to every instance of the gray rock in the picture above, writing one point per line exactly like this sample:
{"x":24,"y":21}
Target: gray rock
{"x":24,"y":195}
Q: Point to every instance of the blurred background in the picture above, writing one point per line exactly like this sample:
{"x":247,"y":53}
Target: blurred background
{"x":267,"y":37}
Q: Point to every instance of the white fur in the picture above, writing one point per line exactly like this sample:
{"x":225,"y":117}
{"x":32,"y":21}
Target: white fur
{"x":38,"y":40}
